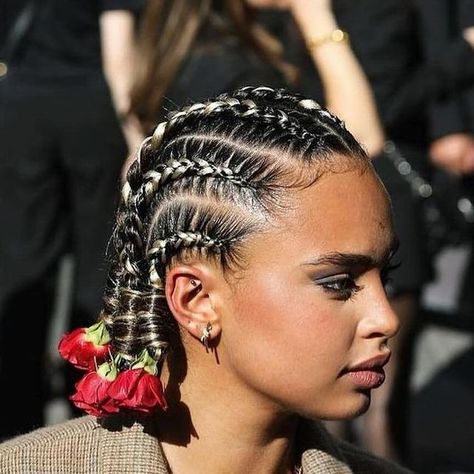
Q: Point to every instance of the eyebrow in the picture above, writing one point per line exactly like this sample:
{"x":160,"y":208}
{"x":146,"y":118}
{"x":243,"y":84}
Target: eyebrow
{"x":353,"y":260}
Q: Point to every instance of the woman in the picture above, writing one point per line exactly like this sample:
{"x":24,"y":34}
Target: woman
{"x":190,"y":50}
{"x":249,"y":254}
{"x":58,"y":186}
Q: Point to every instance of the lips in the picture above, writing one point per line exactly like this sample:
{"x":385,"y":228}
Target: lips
{"x":368,"y":374}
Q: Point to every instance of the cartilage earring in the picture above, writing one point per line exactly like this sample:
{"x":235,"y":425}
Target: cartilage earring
{"x":206,"y":335}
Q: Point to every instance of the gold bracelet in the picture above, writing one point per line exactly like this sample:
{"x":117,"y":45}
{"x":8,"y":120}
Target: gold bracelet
{"x":336,"y":36}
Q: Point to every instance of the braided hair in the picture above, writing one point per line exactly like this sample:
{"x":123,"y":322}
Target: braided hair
{"x":208,"y":177}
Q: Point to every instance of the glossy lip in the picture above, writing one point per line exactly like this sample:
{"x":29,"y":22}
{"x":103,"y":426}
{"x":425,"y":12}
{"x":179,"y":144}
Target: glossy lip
{"x":368,"y":374}
{"x":376,"y":362}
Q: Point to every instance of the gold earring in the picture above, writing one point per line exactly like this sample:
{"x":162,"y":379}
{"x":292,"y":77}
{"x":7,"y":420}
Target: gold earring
{"x":206,"y":335}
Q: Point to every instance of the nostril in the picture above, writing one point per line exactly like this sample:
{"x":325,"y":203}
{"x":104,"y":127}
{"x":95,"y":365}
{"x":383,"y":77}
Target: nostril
{"x":375,"y":335}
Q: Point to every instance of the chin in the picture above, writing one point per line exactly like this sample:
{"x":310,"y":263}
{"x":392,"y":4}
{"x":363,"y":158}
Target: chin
{"x":345,"y":409}
{"x":359,"y":404}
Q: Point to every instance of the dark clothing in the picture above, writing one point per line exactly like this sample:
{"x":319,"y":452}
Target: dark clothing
{"x":441,"y":23}
{"x":58,"y":189}
{"x":63,"y":42}
{"x":62,"y":151}
{"x":383,"y":37}
{"x":387,"y":38}
{"x":388,"y":61}
{"x":232,"y":64}
{"x":59,"y":172}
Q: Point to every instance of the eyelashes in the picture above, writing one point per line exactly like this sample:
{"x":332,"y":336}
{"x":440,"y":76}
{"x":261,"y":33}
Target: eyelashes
{"x":343,"y":286}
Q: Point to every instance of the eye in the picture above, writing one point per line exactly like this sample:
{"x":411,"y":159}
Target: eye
{"x":342,"y":286}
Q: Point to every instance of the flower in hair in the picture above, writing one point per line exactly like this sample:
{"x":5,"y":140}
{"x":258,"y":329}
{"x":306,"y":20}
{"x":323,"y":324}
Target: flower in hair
{"x":92,"y":391}
{"x":138,"y":388}
{"x":84,"y":348}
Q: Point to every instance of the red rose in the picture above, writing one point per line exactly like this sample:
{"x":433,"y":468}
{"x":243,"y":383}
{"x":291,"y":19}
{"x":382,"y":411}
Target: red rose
{"x":85,"y":347}
{"x":139,"y":390}
{"x":91,"y":395}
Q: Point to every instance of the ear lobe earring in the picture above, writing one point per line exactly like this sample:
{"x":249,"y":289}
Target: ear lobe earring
{"x":206,"y":335}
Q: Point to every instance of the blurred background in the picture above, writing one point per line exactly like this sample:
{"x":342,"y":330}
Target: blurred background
{"x":83,"y":83}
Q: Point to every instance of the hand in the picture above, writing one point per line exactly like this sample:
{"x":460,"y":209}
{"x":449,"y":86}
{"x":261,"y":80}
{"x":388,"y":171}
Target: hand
{"x":454,"y":153}
{"x":468,"y":34}
{"x":468,"y":160}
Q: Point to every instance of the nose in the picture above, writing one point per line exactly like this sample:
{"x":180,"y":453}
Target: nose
{"x":380,"y":320}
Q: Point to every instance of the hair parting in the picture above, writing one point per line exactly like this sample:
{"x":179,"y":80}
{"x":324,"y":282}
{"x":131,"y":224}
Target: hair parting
{"x":208,"y":178}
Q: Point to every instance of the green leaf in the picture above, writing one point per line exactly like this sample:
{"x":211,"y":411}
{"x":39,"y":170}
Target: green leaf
{"x":107,"y":371}
{"x":97,"y":334}
{"x":146,"y":362}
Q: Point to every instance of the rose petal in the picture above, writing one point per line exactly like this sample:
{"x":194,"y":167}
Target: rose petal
{"x":138,"y":390}
{"x":74,"y":348}
{"x":91,"y":395}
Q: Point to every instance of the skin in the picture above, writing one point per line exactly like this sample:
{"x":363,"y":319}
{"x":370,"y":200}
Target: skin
{"x":347,"y":92}
{"x":117,"y":35}
{"x":279,"y":4}
{"x":283,"y":328}
{"x":454,"y":153}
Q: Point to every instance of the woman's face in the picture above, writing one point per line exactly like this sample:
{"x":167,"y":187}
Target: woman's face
{"x":310,"y":306}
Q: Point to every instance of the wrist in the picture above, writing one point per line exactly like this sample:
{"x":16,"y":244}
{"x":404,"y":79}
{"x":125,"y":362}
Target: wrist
{"x":335,"y":36}
{"x":314,"y":25}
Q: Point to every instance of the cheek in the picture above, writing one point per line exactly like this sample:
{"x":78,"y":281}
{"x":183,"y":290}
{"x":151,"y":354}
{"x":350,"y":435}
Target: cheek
{"x":300,"y":314}
{"x":279,"y":327}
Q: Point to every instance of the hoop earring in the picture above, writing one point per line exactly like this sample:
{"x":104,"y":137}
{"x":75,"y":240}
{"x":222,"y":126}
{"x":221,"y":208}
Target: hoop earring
{"x":206,"y":335}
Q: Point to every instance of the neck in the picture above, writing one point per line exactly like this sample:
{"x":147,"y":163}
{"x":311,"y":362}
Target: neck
{"x":224,"y":427}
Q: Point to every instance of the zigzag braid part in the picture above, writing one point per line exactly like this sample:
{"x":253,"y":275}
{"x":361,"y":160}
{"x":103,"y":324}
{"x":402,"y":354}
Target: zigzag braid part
{"x":206,"y":179}
{"x":162,"y":249}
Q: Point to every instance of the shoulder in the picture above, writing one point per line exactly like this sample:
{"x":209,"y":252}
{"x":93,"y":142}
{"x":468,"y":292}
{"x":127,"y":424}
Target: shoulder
{"x":362,"y":462}
{"x":321,"y":452}
{"x":119,"y":444}
{"x":67,"y":447}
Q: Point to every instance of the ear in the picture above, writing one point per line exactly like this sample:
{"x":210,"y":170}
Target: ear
{"x":188,"y":292}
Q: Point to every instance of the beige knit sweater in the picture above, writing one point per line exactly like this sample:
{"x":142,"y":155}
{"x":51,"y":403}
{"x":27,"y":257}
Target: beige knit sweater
{"x":83,"y":446}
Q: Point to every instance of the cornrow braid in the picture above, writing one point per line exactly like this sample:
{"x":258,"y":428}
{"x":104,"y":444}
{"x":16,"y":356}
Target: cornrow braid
{"x":142,"y":165}
{"x":205,"y":181}
{"x":162,"y":249}
{"x":185,"y":239}
{"x":308,"y":109}
{"x":237,"y":107}
{"x":176,"y":169}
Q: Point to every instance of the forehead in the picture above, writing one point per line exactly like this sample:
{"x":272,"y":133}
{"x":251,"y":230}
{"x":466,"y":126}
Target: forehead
{"x":346,"y":212}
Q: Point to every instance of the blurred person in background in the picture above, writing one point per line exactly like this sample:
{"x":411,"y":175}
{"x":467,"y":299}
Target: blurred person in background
{"x":66,"y":72}
{"x":451,"y":116}
{"x":389,"y":38}
{"x":190,"y":51}
{"x":231,"y":324}
{"x":444,"y":23}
